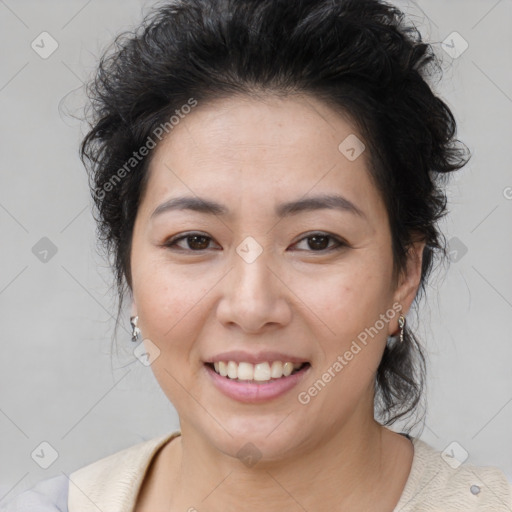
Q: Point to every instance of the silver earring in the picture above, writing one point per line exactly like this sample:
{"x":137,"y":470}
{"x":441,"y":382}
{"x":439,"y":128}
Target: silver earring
{"x":135,"y":329}
{"x":401,"y":324}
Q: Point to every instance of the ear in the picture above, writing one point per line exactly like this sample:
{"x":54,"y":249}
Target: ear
{"x":409,"y":279}
{"x":134,"y":309}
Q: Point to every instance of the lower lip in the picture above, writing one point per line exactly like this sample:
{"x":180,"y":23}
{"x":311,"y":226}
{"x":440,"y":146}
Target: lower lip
{"x":254,"y":392}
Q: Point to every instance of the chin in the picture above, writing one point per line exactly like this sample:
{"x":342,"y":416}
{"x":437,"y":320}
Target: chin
{"x":259,"y":440}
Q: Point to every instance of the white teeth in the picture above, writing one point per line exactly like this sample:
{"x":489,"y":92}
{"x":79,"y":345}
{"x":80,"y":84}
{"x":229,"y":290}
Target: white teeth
{"x":287,"y":369}
{"x":260,"y":372}
{"x":277,"y":370}
{"x":232,"y":370}
{"x":245,"y":371}
{"x":223,"y":368}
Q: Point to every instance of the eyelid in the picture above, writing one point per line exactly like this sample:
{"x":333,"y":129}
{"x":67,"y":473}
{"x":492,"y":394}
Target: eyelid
{"x":339,"y":242}
{"x":171,"y":242}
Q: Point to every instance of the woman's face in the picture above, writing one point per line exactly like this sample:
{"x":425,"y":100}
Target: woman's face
{"x":288,"y":260}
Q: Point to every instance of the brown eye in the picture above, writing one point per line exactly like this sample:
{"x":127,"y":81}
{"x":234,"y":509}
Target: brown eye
{"x":189,"y":242}
{"x":317,"y":242}
{"x":198,"y":242}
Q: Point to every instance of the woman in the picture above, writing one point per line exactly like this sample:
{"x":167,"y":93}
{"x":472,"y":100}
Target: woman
{"x":268,"y":178}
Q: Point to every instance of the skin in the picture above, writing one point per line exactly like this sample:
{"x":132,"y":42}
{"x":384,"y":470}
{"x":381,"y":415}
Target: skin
{"x":250,"y":155}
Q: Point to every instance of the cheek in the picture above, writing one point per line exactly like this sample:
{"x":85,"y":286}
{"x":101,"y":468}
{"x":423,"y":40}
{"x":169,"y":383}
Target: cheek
{"x":350,"y":304}
{"x":172,"y":307}
{"x":352,"y":299}
{"x":168,"y":302}
{"x":169,"y":309}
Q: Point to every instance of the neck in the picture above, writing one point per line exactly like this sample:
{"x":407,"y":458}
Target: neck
{"x":345,"y":469}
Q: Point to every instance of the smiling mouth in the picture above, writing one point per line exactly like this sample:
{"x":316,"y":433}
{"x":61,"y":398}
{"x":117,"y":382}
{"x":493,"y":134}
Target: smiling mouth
{"x":260,"y":373}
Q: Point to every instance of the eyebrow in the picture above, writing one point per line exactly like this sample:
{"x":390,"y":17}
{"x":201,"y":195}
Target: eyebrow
{"x":207,"y":206}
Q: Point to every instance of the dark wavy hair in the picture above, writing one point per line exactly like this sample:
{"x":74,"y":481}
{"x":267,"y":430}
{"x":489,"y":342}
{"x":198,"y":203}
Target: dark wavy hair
{"x":358,"y":56}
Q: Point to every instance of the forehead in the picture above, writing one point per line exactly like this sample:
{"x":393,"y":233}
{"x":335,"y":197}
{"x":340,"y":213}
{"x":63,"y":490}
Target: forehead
{"x":267,"y":149}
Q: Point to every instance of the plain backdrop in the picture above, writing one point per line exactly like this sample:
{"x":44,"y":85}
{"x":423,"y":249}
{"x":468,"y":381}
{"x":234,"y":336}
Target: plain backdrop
{"x":62,"y":383}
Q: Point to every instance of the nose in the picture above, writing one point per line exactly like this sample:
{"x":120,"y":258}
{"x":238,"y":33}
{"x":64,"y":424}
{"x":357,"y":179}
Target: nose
{"x":254,"y":296}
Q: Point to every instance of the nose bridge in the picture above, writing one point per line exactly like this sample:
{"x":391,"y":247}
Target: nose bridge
{"x":252,"y":275}
{"x":252,"y":296}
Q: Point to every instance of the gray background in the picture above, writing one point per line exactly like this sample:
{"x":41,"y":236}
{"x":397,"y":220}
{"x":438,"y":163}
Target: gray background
{"x":59,"y":381}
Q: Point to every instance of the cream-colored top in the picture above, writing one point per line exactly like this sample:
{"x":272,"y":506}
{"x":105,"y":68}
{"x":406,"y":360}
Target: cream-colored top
{"x":112,"y":484}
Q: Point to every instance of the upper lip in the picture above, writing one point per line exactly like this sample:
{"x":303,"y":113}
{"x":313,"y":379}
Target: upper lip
{"x":240,"y":356}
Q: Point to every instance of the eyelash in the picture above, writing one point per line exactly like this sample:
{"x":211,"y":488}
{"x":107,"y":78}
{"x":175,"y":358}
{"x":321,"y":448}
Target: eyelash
{"x":340,"y":244}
